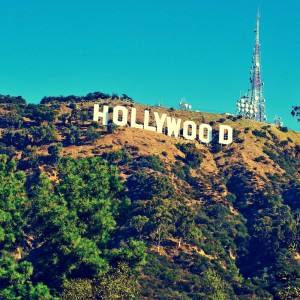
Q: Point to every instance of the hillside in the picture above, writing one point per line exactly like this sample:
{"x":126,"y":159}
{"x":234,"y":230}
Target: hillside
{"x":181,"y":219}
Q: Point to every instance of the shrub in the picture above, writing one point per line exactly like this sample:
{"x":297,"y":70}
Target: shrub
{"x":151,"y":162}
{"x":284,"y":129}
{"x":119,"y":157}
{"x":284,"y":143}
{"x":92,"y":134}
{"x":146,"y":186}
{"x":259,"y":133}
{"x":43,"y":134}
{"x":164,"y":153}
{"x":11,"y":120}
{"x":222,"y":120}
{"x":236,"y":133}
{"x":260,"y":158}
{"x":12,"y":99}
{"x":193,"y":155}
{"x":111,"y":127}
{"x":72,"y":135}
{"x":55,"y":152}
{"x":239,"y":140}
{"x":9,"y":151}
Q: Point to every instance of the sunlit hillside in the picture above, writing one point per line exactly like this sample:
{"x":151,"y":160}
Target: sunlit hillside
{"x":115,"y":212}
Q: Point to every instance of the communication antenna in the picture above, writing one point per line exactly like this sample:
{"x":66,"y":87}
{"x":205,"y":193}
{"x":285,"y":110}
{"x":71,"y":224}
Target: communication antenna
{"x":159,"y":104}
{"x":183,"y":105}
{"x":255,"y":99}
{"x":278,"y":122}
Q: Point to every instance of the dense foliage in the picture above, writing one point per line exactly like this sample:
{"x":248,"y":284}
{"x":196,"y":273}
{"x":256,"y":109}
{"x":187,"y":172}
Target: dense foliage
{"x":54,"y":232}
{"x":88,"y":97}
{"x":12,"y":99}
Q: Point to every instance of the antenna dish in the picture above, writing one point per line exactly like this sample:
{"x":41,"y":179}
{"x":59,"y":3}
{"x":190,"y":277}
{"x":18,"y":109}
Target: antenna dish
{"x":183,"y":105}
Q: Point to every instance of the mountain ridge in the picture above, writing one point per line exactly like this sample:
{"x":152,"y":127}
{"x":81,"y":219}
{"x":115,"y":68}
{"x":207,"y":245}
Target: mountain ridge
{"x":227,"y":214}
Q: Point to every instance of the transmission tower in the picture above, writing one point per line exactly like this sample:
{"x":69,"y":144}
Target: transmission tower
{"x":252,"y":106}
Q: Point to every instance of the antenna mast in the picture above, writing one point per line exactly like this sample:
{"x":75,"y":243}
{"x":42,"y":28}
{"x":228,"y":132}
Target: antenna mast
{"x":253,"y":106}
{"x":256,"y":94}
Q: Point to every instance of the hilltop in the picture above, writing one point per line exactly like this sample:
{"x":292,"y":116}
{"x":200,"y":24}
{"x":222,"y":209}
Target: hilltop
{"x":216,"y":220}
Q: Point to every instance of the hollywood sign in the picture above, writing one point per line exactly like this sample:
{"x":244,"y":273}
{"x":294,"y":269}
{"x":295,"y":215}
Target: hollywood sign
{"x":189,"y":128}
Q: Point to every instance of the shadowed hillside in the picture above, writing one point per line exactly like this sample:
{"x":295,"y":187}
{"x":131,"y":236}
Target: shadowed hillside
{"x":103,"y":212}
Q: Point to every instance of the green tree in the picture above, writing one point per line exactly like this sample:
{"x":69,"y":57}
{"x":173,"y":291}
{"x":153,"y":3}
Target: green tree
{"x":18,"y":139}
{"x":213,"y":286}
{"x":15,"y":272}
{"x":55,"y":152}
{"x":193,"y":155}
{"x":111,"y":127}
{"x":12,"y":204}
{"x":64,"y":117}
{"x":30,"y":157}
{"x":74,"y":219}
{"x":84,"y":115}
{"x":161,"y":213}
{"x":41,"y":113}
{"x":92,"y":134}
{"x":42,"y":134}
{"x":117,"y":283}
{"x":146,"y":186}
{"x":186,"y":228}
{"x":72,"y":135}
{"x":138,"y":222}
{"x":16,"y":283}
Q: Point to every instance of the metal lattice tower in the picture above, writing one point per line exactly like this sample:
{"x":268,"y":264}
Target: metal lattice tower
{"x":252,"y":106}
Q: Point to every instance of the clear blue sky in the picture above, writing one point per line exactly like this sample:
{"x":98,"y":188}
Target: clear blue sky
{"x":152,"y":50}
